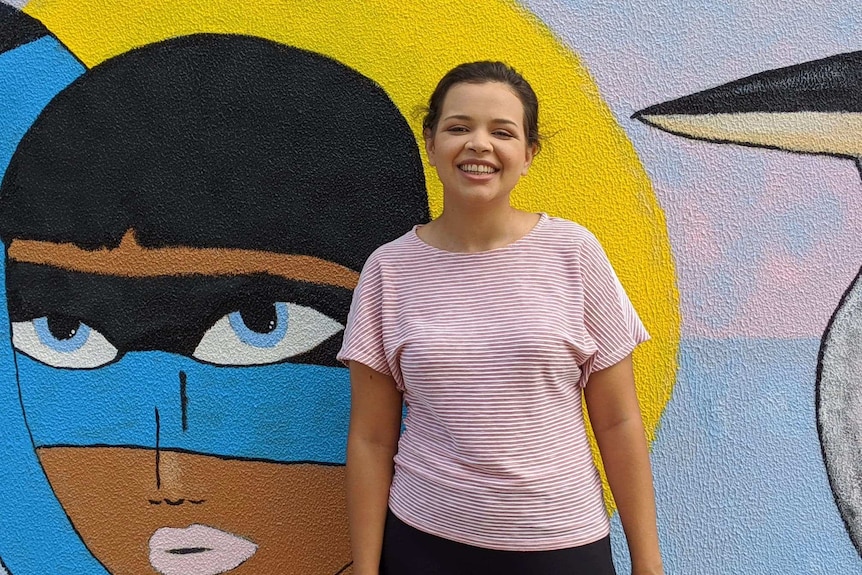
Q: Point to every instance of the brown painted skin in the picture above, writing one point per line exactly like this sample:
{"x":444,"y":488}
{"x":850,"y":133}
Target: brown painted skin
{"x":295,"y":513}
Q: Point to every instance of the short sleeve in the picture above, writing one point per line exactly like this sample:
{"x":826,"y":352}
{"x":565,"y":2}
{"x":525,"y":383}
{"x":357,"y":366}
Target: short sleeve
{"x":363,"y":335}
{"x":610,"y":319}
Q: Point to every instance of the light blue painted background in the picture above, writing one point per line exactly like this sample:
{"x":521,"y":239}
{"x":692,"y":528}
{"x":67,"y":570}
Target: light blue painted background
{"x":740,"y":483}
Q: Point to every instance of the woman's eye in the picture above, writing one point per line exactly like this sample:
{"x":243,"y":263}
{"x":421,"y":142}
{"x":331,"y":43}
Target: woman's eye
{"x":261,"y":334}
{"x":503,"y":134}
{"x":61,"y":341}
{"x":456,"y":129}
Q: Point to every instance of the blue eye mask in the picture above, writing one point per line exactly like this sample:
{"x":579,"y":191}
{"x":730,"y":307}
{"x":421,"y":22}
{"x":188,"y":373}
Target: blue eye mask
{"x":283,"y":413}
{"x":234,"y":366}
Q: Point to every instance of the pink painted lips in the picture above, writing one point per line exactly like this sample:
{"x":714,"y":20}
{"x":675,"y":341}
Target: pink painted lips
{"x":197,"y":550}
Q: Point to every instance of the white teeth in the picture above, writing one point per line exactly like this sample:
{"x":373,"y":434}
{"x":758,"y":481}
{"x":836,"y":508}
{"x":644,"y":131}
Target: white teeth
{"x":477,"y":169}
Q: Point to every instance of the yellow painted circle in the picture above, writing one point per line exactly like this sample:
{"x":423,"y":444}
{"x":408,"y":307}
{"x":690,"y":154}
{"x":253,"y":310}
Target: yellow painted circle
{"x":588,"y":171}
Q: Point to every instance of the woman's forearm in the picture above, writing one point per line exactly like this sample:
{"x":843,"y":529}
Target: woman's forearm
{"x":372,"y":440}
{"x":369,"y":475}
{"x":616,"y":420}
{"x":626,"y":461}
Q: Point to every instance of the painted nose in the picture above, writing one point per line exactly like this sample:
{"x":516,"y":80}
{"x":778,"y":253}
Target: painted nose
{"x":161,"y":381}
{"x":182,"y":400}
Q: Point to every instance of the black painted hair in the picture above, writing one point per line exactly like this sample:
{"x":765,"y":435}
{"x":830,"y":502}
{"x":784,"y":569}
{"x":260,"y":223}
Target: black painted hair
{"x":219,"y":141}
{"x":481,"y":73}
{"x":17,"y":28}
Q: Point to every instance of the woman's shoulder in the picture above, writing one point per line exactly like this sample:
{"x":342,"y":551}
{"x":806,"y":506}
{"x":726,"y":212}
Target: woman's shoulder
{"x":569,"y":233}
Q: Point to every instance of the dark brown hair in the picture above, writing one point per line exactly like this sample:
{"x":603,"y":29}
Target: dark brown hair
{"x":480,"y":73}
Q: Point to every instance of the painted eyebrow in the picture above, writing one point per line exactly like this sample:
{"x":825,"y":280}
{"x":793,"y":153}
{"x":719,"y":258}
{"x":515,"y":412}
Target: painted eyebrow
{"x":130,"y":259}
{"x":465,"y":117}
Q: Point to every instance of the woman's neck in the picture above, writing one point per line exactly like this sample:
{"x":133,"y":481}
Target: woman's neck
{"x":478,"y":230}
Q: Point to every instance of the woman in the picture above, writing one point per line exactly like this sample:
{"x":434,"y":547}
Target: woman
{"x":489,"y":323}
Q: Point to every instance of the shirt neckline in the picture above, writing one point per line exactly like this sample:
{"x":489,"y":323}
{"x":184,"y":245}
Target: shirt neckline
{"x":543,"y":217}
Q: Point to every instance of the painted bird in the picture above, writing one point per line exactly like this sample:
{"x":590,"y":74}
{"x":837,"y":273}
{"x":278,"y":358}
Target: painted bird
{"x":812,"y":108}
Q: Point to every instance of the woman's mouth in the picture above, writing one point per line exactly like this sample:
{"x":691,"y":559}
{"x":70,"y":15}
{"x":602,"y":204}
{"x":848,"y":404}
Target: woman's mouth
{"x":197,"y":549}
{"x":477,"y":169}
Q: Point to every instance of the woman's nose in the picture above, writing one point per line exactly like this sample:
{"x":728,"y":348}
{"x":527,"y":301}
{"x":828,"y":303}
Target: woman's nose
{"x":478,"y":142}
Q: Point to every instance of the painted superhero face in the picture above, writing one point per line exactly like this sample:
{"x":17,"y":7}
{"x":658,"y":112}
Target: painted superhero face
{"x":184,"y":225}
{"x":172,"y":458}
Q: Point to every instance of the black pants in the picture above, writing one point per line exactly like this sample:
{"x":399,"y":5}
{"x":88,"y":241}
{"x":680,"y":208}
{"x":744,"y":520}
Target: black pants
{"x":408,"y":551}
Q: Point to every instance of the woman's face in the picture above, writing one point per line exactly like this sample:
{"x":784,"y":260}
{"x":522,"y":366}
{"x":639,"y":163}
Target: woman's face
{"x":479,"y":146}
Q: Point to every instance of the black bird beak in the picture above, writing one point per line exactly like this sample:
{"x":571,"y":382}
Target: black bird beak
{"x":811,"y":108}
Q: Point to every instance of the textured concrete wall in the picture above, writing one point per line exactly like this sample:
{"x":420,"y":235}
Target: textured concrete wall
{"x":179,"y":261}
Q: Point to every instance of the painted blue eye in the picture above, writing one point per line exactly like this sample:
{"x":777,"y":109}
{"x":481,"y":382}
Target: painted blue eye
{"x":62,"y":342}
{"x":61,"y":334}
{"x":270,"y":333}
{"x":261,"y":326}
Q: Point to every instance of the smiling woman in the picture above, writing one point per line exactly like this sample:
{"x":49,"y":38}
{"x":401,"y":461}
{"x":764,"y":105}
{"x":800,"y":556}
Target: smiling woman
{"x":487,"y":323}
{"x":478,"y":146}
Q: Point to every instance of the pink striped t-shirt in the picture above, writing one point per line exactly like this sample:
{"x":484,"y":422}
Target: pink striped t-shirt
{"x":491,"y":350}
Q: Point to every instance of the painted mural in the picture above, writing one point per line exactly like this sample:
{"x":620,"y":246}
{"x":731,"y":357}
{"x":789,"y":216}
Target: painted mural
{"x":188,"y":192}
{"x":187,"y":198}
{"x":180,"y":260}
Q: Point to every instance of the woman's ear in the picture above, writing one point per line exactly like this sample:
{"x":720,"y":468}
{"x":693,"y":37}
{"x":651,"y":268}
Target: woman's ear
{"x":532,"y":149}
{"x":429,"y":145}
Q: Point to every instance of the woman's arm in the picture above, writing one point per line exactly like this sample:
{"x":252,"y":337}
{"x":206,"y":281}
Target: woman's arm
{"x":616,"y":420}
{"x":372,"y":440}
